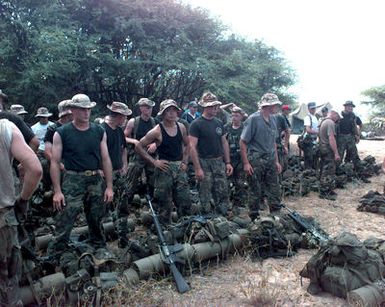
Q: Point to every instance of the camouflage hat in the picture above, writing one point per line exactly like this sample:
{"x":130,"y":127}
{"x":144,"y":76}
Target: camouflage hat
{"x":349,"y":103}
{"x":119,"y":107}
{"x":165,"y":104}
{"x":237,"y":110}
{"x":18,"y":109}
{"x":63,"y":107}
{"x":145,"y":102}
{"x":209,"y":100}
{"x":43,"y":112}
{"x":82,"y":101}
{"x":269,"y":99}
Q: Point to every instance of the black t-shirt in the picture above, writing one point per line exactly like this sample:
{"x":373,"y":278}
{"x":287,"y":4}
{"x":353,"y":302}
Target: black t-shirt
{"x":209,"y":134}
{"x":281,"y":126}
{"x":18,"y":121}
{"x":287,"y":121}
{"x":347,"y":122}
{"x":144,"y":127}
{"x":81,"y":149}
{"x":51,"y":131}
{"x":116,"y":142}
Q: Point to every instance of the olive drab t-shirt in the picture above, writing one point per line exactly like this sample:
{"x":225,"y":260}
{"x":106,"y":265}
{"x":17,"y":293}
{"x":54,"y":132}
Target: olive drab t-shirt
{"x":260,"y":135}
{"x":327,"y":128}
{"x":81,"y":149}
{"x":209,"y":133}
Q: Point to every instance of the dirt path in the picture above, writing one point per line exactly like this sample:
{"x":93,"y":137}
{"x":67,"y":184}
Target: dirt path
{"x":240,"y":282}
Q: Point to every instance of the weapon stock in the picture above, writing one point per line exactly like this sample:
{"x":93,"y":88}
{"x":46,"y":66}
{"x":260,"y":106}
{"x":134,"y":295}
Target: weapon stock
{"x":169,"y":257}
{"x":322,"y":238}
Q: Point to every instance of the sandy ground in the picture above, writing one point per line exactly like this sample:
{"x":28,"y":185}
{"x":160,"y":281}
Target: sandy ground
{"x":276,"y":282}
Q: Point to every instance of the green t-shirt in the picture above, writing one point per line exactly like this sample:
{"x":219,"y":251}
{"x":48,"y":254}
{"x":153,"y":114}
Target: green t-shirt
{"x":81,"y":149}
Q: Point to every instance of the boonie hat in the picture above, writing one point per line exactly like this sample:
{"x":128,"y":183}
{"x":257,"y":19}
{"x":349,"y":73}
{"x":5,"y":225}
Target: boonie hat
{"x":324,"y":109}
{"x":82,"y":101}
{"x":165,"y":104}
{"x":63,"y":107}
{"x":349,"y":103}
{"x":119,"y":107}
{"x":145,"y":102}
{"x":193,"y":104}
{"x":43,"y":112}
{"x":209,"y":100}
{"x":18,"y":109}
{"x":269,"y":99}
{"x":237,"y":110}
{"x":311,"y":105}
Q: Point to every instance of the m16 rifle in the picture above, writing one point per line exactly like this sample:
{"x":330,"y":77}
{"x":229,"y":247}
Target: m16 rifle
{"x":320,"y":236}
{"x":168,"y":252}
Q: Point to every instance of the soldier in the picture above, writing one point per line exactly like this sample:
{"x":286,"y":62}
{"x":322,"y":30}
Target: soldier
{"x":286,"y":109}
{"x":348,"y":135}
{"x":65,"y":116}
{"x":283,"y":137}
{"x":329,"y":155}
{"x":191,"y":113}
{"x":83,"y":147}
{"x":211,"y":157}
{"x":260,"y":157}
{"x":18,"y":109}
{"x":310,"y":137}
{"x":233,"y":135}
{"x":26,"y":131}
{"x":12,"y":146}
{"x":117,"y":149}
{"x":136,"y":129}
{"x":170,"y":168}
{"x":40,"y":128}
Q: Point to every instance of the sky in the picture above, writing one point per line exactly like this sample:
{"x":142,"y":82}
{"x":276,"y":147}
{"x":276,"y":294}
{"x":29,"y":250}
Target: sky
{"x":336,"y":47}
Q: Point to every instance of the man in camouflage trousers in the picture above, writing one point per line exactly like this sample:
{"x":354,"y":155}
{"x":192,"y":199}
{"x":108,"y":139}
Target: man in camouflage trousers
{"x":171,"y":184}
{"x":13,"y":209}
{"x":83,"y":147}
{"x":329,"y":155}
{"x":117,"y":150}
{"x":211,"y":157}
{"x":260,"y":157}
{"x":137,"y":128}
{"x":237,"y":179}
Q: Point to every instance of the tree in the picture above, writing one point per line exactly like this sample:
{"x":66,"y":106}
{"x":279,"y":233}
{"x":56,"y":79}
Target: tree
{"x":377,"y":100}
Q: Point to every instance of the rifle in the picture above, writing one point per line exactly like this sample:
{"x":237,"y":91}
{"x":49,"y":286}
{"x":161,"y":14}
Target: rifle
{"x":321,"y":237}
{"x":168,"y":253}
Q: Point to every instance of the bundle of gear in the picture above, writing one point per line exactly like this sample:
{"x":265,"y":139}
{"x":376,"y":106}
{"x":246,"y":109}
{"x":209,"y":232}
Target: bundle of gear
{"x":372,"y":201}
{"x":345,"y":264}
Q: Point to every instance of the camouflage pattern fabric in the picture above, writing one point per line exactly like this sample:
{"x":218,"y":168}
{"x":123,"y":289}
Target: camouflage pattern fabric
{"x":327,"y":171}
{"x":214,"y":187}
{"x":310,"y":155}
{"x":238,"y":191}
{"x":347,"y":143}
{"x":265,"y":175}
{"x":10,"y":260}
{"x":120,"y":203}
{"x":172,"y":186}
{"x":135,"y":171}
{"x":80,"y":192}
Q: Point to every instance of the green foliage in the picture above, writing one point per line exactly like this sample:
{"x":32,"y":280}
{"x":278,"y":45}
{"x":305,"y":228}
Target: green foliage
{"x":376,"y":97}
{"x":127,"y":49}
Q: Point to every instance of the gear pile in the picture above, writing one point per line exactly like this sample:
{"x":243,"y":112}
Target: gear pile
{"x":373,"y":202}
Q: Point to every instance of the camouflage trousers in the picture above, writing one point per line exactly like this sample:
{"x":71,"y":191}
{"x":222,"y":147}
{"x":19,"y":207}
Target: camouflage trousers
{"x":327,"y":170}
{"x":136,"y":167}
{"x":120,"y":204}
{"x":238,"y":191}
{"x":10,"y":259}
{"x":311,"y":155}
{"x":264,"y":178}
{"x":214,"y":187}
{"x":171,"y":186}
{"x":81,"y":193}
{"x":346,"y":143}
